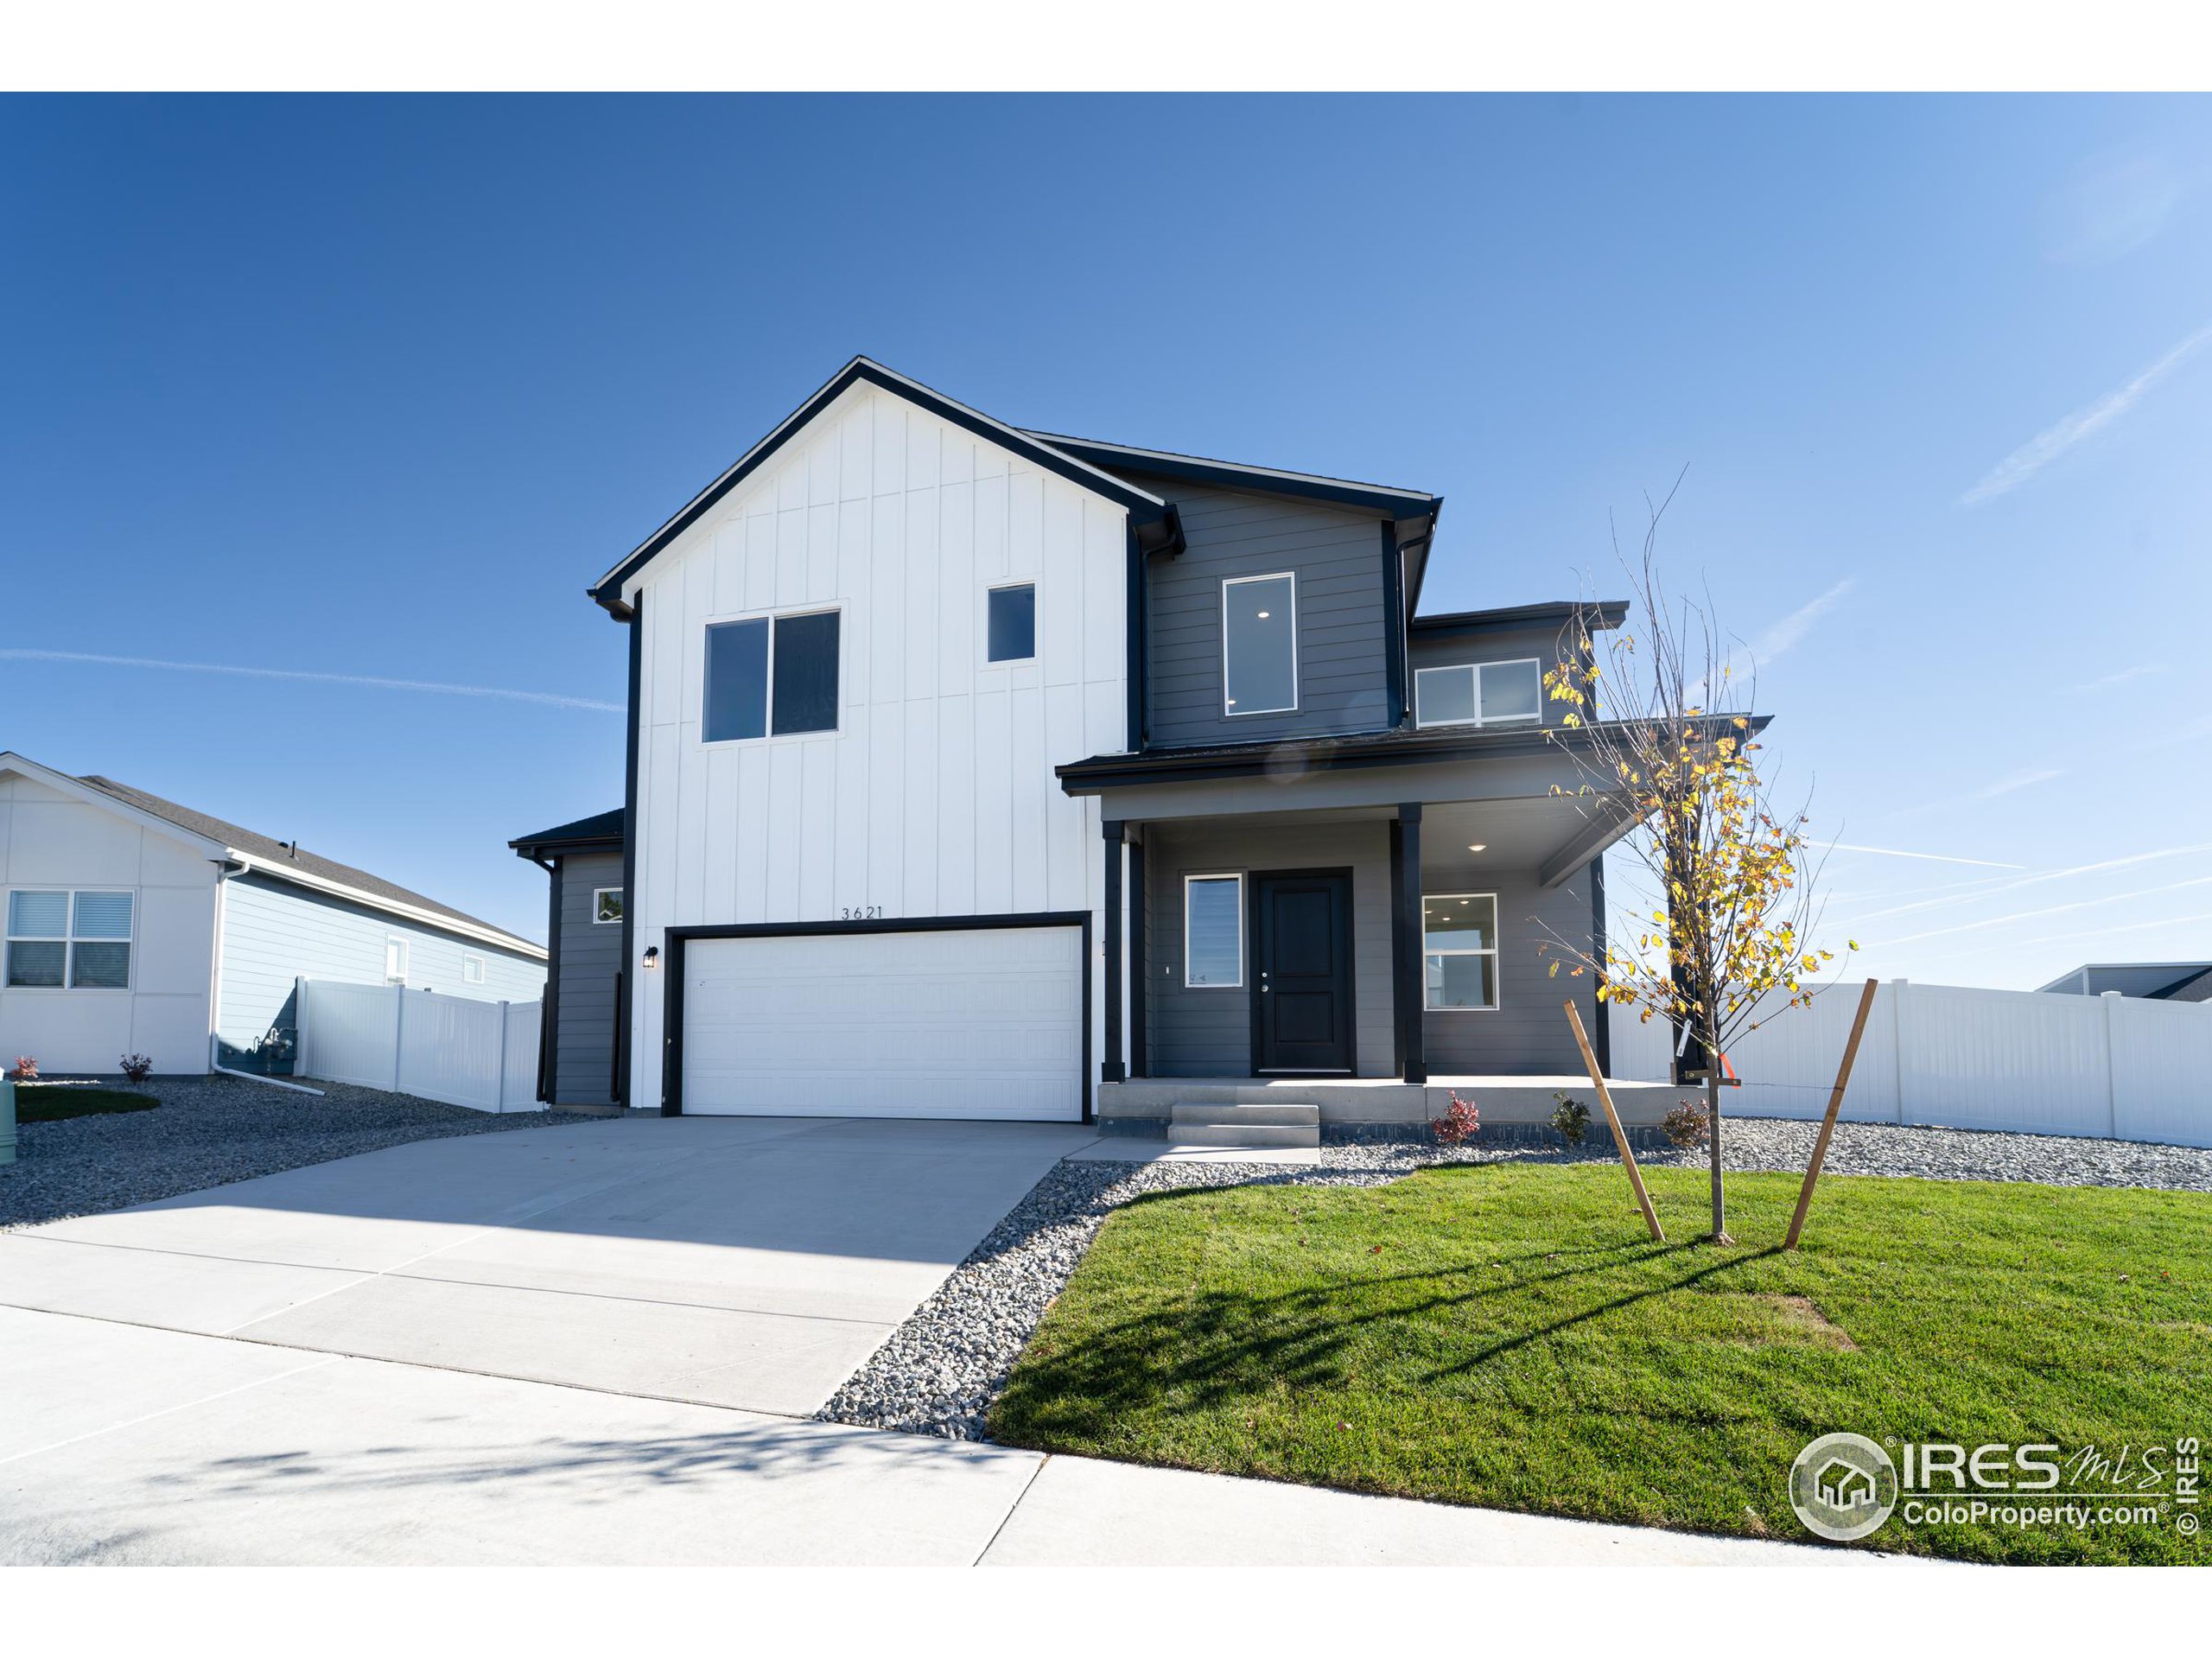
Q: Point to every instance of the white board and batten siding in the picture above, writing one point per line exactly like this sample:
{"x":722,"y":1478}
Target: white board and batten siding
{"x":935,"y":797}
{"x":1966,"y":1058}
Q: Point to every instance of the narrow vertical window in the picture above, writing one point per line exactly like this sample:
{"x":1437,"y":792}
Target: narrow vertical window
{"x":1213,"y":931}
{"x":737,"y":680}
{"x":806,"y":674}
{"x":1259,"y":644}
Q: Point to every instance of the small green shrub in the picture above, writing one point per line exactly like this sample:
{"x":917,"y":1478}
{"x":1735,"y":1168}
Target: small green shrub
{"x":1572,"y":1120}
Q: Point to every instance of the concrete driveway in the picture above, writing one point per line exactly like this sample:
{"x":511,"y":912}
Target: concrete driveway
{"x":598,"y":1343}
{"x":730,"y":1261}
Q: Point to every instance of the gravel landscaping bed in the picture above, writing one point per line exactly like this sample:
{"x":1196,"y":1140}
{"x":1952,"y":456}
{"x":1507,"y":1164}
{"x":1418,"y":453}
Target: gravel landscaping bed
{"x":208,"y":1131}
{"x":938,"y":1372}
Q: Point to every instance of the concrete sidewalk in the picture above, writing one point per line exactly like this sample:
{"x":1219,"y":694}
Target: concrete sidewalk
{"x":129,"y":1445}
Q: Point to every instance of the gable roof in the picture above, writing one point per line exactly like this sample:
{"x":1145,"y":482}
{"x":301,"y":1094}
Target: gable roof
{"x":600,"y":830}
{"x":1147,"y":511}
{"x":275,"y":858}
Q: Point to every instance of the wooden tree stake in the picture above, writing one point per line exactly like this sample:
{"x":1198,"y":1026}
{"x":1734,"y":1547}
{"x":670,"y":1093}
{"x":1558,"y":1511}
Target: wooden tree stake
{"x":1827,"y":1123}
{"x":1620,"y":1135}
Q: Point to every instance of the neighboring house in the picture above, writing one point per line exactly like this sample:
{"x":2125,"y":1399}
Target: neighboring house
{"x":974,"y":772}
{"x":584,"y":976}
{"x":2165,"y":982}
{"x":135,"y":926}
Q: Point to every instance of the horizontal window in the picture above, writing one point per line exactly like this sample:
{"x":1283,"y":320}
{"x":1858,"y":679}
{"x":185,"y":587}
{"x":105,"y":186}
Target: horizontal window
{"x":770,"y":677}
{"x":79,"y":940}
{"x":1458,"y":942}
{"x":607,"y":904}
{"x":1010,"y":624}
{"x":1259,"y":644}
{"x":1213,"y":931}
{"x":1480,"y":694}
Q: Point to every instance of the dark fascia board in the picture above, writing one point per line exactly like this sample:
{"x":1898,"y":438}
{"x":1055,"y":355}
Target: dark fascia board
{"x":1144,"y":510}
{"x":535,"y":850}
{"x":1103,"y":771}
{"x":1602,"y":614}
{"x":600,"y":829}
{"x":1414,"y":507}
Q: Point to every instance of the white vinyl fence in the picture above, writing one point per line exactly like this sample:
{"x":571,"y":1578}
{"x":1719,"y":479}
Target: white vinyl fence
{"x":456,"y":1049}
{"x":2036,"y":1062}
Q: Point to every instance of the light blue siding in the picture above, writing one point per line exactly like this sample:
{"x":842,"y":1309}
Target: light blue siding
{"x":275,"y":933}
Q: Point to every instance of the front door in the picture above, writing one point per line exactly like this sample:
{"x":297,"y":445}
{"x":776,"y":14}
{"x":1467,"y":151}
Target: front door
{"x":1302,"y":1001}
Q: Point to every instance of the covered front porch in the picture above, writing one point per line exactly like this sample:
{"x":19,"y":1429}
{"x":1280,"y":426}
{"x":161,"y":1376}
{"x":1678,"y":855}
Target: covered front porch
{"x":1366,"y":938}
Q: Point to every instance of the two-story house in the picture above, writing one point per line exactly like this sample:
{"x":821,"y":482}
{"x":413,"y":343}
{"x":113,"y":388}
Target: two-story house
{"x":978,"y":771}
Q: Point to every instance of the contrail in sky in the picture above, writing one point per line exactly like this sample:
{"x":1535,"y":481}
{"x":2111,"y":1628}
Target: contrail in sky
{"x":551,"y":699}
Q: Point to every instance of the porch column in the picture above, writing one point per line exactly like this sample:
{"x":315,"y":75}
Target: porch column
{"x":1139,"y":956}
{"x":1110,"y":1069}
{"x":1408,"y":977}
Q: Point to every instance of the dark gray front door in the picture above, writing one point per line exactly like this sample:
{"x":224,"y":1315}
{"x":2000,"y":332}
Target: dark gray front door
{"x":1301,"y":999}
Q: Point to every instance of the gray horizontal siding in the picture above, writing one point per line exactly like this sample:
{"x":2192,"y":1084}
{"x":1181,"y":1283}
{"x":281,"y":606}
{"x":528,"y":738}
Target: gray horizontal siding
{"x":275,"y":933}
{"x":1338,"y":559}
{"x":591,"y":954}
{"x":1528,"y":1032}
{"x":1208,"y":1033}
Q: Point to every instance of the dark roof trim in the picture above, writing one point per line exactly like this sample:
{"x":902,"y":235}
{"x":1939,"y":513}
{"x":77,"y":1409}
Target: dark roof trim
{"x":1143,"y":508}
{"x":1603,"y":613}
{"x":1199,"y":764}
{"x":1390,"y":502}
{"x":600,"y":830}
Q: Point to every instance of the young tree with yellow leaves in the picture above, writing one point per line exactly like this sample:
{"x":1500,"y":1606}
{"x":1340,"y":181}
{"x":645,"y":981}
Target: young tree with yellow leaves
{"x":1667,"y":740}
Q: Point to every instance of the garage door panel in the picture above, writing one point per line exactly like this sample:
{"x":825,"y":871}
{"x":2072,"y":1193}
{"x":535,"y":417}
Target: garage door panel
{"x":980,"y":1022}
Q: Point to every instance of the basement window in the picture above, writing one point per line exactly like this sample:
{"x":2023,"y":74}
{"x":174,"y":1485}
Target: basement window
{"x":770,"y":677}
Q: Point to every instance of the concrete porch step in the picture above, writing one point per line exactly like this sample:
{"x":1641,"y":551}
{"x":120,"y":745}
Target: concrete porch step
{"x":1208,"y":1111}
{"x":1243,"y":1134}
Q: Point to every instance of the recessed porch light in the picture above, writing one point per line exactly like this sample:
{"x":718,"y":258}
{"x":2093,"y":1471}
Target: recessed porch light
{"x":1477,"y":846}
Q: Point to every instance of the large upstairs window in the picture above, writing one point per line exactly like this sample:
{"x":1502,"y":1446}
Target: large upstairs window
{"x":1480,"y":694}
{"x":770,"y":677}
{"x":1259,"y":644}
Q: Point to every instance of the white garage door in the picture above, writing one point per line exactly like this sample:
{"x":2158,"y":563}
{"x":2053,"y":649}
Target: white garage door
{"x":968,"y":1022}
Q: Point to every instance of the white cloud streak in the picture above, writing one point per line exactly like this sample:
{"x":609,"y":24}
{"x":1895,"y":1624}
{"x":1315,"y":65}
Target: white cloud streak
{"x":1795,"y":626}
{"x":440,"y":688}
{"x":2053,"y":441}
{"x":1933,"y":858}
{"x":2051,"y":910}
{"x":2071,"y":871}
{"x":2140,"y":671}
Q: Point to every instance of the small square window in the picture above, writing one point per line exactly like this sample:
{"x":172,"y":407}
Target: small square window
{"x":606,"y":905}
{"x":472,"y":970}
{"x":1011,"y":624}
{"x":1512,"y":691}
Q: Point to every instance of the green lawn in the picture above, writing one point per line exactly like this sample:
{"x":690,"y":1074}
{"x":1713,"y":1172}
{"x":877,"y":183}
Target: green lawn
{"x":47,"y":1102}
{"x":1507,"y":1335}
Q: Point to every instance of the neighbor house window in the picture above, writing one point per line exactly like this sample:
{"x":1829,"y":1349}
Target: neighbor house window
{"x":771,"y":676}
{"x":79,"y":940}
{"x":1479,"y":694}
{"x":1010,"y":623}
{"x":395,"y":962}
{"x":471,"y":970}
{"x":1213,"y":931}
{"x":1458,"y":940}
{"x":1259,"y":644}
{"x":607,"y":904}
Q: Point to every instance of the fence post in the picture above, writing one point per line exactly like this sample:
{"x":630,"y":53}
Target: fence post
{"x":2111,"y":1068}
{"x":300,"y":1066}
{"x":398,"y":1030}
{"x":1896,"y":1038}
{"x":500,"y":1099}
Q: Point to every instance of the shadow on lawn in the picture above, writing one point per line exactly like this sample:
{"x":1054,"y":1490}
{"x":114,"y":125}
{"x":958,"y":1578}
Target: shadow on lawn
{"x":1215,"y":1347}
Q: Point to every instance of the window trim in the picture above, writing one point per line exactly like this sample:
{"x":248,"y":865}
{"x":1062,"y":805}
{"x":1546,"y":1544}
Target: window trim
{"x":1474,"y":670}
{"x":389,"y":940}
{"x":1237,"y":876}
{"x":68,"y":941}
{"x":770,"y":735}
{"x":469,"y":959}
{"x":597,"y":919}
{"x":1495,"y":953}
{"x":1036,"y":620}
{"x":1227,"y":582}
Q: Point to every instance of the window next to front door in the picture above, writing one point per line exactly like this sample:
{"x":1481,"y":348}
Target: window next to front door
{"x":1259,"y":644}
{"x":1213,"y":932}
{"x":770,"y":677}
{"x":1458,"y":942}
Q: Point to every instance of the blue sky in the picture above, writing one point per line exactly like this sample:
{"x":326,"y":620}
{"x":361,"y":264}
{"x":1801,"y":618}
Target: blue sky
{"x":373,"y":388}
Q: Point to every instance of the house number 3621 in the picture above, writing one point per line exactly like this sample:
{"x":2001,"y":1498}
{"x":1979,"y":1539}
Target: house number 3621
{"x":862,"y":913}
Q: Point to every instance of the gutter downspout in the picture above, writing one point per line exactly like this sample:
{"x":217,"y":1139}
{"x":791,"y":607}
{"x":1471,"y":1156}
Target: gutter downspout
{"x":224,"y":871}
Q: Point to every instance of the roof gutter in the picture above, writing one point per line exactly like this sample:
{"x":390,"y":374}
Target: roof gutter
{"x":391,"y":907}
